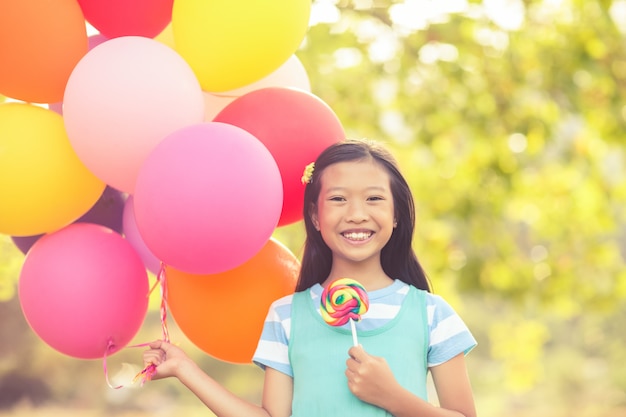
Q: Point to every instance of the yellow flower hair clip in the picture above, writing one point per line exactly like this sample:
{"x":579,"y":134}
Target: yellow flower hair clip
{"x":308,"y":173}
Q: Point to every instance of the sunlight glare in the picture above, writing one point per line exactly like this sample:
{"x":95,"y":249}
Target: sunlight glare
{"x":617,"y":11}
{"x":507,"y":14}
{"x":347,"y":57}
{"x":432,"y":52}
{"x":412,"y":15}
{"x":324,"y":11}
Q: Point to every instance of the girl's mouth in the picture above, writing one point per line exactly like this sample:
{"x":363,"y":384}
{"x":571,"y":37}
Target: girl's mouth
{"x":357,"y":235}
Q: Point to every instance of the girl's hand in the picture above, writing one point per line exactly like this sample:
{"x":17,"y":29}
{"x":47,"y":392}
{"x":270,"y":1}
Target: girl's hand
{"x":369,"y":377}
{"x":166,"y":357}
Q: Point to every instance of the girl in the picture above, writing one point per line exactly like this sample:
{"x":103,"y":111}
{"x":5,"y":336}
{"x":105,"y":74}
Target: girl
{"x":359,"y":217}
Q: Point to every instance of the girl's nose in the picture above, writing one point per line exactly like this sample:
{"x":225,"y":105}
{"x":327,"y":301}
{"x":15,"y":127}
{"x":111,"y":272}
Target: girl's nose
{"x":356,"y":213}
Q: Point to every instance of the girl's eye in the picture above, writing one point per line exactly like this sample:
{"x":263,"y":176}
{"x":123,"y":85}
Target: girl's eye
{"x":375,"y":198}
{"x":337,"y":198}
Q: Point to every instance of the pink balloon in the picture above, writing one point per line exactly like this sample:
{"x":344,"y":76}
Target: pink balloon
{"x":131,"y":233}
{"x":83,"y":290}
{"x":123,"y":97}
{"x":291,"y":74}
{"x":208,"y":198}
{"x":116,"y":18}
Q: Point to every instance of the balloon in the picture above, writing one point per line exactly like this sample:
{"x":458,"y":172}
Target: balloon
{"x":40,"y":43}
{"x":43,"y":184}
{"x":223,"y":314}
{"x":83,"y":290}
{"x":122,"y":99}
{"x":166,"y":37}
{"x":95,"y":40}
{"x":115,"y":18}
{"x":207,"y":198}
{"x":290,"y":74}
{"x":56,"y":107}
{"x":131,"y":233}
{"x":24,"y":243}
{"x":107,"y":211}
{"x":295,"y":126}
{"x":230,"y":44}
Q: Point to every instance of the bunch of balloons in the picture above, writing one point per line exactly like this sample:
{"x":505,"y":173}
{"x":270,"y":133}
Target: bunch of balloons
{"x":175,"y":137}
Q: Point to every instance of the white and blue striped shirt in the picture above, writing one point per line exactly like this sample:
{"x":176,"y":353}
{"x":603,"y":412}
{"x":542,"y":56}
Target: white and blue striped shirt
{"x":448,"y":334}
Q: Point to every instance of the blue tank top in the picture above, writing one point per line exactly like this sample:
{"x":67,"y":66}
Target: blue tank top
{"x":318,"y":354}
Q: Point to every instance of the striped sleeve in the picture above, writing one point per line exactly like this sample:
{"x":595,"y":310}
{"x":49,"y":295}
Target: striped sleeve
{"x":449,"y":335}
{"x":273,"y":347}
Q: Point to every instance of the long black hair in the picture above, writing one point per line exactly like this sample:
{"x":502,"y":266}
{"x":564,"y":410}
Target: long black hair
{"x":398,"y":258}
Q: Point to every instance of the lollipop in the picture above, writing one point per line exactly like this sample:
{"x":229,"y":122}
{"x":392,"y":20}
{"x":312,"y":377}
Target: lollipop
{"x":344,"y":300}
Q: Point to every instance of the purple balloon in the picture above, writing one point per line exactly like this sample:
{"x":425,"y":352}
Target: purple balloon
{"x":131,"y":233}
{"x":107,"y":211}
{"x":24,"y":243}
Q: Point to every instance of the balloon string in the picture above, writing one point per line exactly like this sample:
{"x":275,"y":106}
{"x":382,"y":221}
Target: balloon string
{"x":162,"y":280}
{"x":110,"y":346}
{"x":149,"y":371}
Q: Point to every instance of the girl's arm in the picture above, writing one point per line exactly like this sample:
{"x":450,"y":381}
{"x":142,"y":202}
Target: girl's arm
{"x":171,"y":361}
{"x":371,"y":380}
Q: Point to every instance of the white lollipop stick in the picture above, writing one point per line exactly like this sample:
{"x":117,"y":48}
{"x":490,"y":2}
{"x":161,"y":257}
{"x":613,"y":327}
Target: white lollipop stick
{"x":354,"y":338}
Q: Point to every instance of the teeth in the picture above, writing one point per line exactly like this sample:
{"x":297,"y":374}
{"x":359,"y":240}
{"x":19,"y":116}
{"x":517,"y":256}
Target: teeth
{"x":357,"y":235}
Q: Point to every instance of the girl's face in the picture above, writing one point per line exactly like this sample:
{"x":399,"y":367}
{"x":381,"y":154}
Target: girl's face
{"x":355,"y":211}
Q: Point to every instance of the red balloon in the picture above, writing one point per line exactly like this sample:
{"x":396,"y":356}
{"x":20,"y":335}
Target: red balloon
{"x":295,"y":126}
{"x":223,"y":314}
{"x":40,"y":43}
{"x":115,"y":18}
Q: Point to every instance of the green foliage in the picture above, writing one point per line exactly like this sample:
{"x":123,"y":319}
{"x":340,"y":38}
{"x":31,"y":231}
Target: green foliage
{"x":512,"y":141}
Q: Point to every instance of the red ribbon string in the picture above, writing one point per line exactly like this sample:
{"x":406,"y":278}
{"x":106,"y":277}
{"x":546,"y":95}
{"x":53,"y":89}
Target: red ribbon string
{"x":110,"y":346}
{"x":149,"y":371}
{"x":161,"y":280}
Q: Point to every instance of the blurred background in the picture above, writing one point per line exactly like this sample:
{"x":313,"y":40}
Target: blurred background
{"x":508,"y":118}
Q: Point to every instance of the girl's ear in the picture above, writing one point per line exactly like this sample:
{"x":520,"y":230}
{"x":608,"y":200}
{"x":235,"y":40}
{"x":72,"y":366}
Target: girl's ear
{"x":313,"y":215}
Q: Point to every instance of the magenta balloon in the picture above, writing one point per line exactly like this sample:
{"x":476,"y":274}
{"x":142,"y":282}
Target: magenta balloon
{"x":131,"y":233}
{"x":115,"y":18}
{"x":208,"y":198}
{"x":83,"y":290}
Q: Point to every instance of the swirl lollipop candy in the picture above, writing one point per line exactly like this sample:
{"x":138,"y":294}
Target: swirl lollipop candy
{"x":344,"y":300}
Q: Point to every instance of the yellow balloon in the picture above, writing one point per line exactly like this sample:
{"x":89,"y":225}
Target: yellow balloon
{"x":166,"y":37}
{"x":232,"y":43}
{"x":43,"y":184}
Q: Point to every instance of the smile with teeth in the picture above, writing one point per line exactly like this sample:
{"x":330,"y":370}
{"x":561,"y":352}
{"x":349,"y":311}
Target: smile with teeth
{"x":357,"y":235}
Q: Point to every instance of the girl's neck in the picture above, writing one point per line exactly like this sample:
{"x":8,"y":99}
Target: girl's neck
{"x":372,"y":277}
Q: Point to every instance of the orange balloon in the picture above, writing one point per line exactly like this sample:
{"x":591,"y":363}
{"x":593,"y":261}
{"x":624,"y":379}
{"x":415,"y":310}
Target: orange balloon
{"x":223,"y":314}
{"x":41,"y":42}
